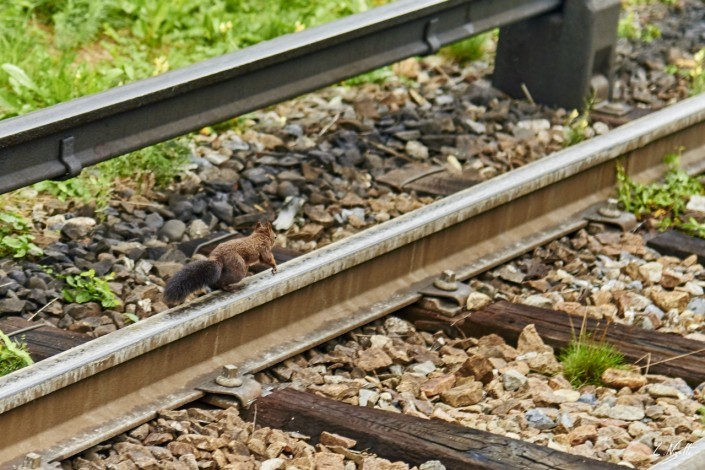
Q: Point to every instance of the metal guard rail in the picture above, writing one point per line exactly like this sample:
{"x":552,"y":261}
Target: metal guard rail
{"x":60,"y":140}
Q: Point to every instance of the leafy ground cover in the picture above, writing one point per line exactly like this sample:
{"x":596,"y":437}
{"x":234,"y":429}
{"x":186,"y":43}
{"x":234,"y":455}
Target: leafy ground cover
{"x":664,"y":204}
{"x":73,"y":48}
{"x":13,"y":355}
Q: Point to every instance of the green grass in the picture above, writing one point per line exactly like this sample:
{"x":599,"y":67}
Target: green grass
{"x":470,"y":49}
{"x":13,"y":355}
{"x":585,"y":360}
{"x":630,"y":27}
{"x":379,"y":75}
{"x":157,"y":165}
{"x":72,"y":48}
{"x":163,"y":162}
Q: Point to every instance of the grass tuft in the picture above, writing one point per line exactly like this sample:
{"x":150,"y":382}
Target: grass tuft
{"x":585,"y":360}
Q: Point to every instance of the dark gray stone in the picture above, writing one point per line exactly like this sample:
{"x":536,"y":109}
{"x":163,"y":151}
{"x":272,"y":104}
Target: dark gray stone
{"x":36,"y":282}
{"x":154,"y":221}
{"x":81,"y":311}
{"x":173,"y":230}
{"x":222,"y":210}
{"x":11,"y":305}
{"x":286,"y":189}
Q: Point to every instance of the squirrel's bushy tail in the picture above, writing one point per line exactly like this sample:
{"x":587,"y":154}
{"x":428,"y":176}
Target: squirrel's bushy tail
{"x":192,"y":277}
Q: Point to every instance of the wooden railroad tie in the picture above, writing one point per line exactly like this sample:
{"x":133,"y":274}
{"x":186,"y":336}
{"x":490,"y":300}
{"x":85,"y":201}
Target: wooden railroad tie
{"x":410,"y":439}
{"x":667,"y":353}
{"x":43,"y":341}
{"x":675,"y":243}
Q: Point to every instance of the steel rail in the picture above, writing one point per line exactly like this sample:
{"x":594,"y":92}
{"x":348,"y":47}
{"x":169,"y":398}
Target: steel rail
{"x":62,"y":139}
{"x":60,"y":405}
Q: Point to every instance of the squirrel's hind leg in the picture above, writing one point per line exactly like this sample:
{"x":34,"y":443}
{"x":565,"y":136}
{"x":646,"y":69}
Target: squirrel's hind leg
{"x":230,"y":276}
{"x":232,"y":288}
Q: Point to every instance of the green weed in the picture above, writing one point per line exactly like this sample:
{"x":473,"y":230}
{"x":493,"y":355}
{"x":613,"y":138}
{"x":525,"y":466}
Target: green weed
{"x":15,"y":237}
{"x":586,"y":358}
{"x":130,"y":318}
{"x":629,"y":27}
{"x":577,"y":127}
{"x":694,"y":74}
{"x":697,"y":73}
{"x":87,"y":287}
{"x":665,"y":201}
{"x":90,"y":187}
{"x":13,"y":355}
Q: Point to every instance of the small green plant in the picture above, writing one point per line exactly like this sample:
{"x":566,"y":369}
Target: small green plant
{"x":379,"y":75}
{"x":87,"y":287}
{"x":473,"y":48}
{"x":578,"y":126}
{"x":13,"y":355}
{"x":130,"y":318}
{"x":665,"y":202}
{"x":15,"y":239}
{"x":697,"y":73}
{"x":701,"y":411}
{"x":629,"y":27}
{"x":586,"y":359}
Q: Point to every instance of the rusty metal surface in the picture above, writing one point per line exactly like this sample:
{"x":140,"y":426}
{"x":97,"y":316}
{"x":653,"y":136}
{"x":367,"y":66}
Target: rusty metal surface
{"x":322,"y":294}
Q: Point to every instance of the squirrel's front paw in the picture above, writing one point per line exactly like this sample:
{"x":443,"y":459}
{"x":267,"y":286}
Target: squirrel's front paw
{"x":274,"y":270}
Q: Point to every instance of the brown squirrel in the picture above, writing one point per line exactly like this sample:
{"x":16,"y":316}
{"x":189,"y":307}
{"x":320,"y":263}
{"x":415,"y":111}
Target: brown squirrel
{"x":226,"y":265}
